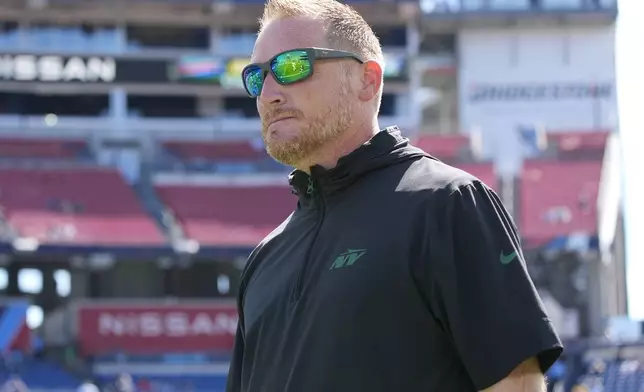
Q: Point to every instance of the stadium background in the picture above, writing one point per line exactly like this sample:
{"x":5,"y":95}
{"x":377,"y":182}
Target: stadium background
{"x":133,"y":181}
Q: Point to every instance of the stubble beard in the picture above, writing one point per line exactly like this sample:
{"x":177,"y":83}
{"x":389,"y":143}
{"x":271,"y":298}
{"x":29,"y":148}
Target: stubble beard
{"x":316,"y":133}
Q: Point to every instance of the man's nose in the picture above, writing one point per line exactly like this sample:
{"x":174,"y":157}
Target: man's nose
{"x":272,"y":92}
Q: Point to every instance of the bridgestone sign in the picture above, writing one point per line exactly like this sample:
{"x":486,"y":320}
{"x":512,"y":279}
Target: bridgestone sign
{"x":33,"y":68}
{"x":540,"y":92}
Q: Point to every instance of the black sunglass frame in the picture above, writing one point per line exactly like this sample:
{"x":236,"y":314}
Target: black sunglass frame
{"x":313,"y":54}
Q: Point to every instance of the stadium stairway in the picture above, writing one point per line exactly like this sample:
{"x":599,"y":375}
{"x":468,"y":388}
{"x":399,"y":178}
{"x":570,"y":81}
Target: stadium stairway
{"x":7,"y":233}
{"x":162,"y":215}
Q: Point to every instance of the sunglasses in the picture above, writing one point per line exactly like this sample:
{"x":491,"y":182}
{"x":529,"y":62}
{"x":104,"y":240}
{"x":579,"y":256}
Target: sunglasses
{"x":291,"y":66}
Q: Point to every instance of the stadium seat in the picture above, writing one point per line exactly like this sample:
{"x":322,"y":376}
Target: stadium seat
{"x":614,"y":376}
{"x":482,"y":171}
{"x":44,"y":375}
{"x":578,"y":141}
{"x":195,"y":383}
{"x":215,"y":151}
{"x":444,"y":147}
{"x":558,"y":198}
{"x":88,"y":206}
{"x":222,"y":157}
{"x":40,"y":148}
{"x":228,"y":216}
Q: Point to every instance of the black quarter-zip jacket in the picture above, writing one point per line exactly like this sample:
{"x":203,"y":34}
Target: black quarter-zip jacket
{"x":395,"y":272}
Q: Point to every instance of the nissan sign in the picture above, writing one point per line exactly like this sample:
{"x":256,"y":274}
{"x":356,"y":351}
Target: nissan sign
{"x":539,"y":92}
{"x":155,"y":324}
{"x":34,"y":68}
{"x":156,"y":328}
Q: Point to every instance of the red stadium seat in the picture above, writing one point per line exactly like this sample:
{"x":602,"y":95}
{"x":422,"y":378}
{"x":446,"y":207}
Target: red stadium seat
{"x":482,"y":171}
{"x":76,"y":207}
{"x":39,"y":148}
{"x":228,"y":216}
{"x":558,"y":199}
{"x":444,"y":147}
{"x":221,"y":150}
{"x":578,"y":141}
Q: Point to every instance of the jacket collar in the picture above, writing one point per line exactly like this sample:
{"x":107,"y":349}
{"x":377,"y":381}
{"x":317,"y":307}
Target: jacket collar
{"x":385,"y":148}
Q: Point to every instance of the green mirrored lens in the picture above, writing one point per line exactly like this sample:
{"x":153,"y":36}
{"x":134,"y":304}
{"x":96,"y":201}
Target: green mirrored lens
{"x":253,"y":80}
{"x":291,"y":67}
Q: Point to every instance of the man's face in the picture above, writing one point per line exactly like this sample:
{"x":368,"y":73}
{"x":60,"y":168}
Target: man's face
{"x":299,"y":119}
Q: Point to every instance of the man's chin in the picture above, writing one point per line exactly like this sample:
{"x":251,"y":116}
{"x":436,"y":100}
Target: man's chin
{"x":285,"y":155}
{"x":282,"y":135}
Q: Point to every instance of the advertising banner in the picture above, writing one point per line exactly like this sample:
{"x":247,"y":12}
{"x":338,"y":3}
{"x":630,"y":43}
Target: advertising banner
{"x":156,"y":328}
{"x":33,"y":68}
{"x":198,"y":69}
{"x":79,"y":69}
{"x":480,"y":92}
{"x":187,"y":69}
{"x":232,"y":75}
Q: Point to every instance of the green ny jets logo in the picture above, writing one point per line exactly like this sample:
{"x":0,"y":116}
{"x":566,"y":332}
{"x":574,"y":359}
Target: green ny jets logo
{"x":348,"y":258}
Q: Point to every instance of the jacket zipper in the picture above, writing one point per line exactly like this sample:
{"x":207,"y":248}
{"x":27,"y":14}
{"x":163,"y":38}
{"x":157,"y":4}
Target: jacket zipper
{"x":312,"y":192}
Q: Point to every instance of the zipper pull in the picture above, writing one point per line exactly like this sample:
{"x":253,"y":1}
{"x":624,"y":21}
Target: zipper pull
{"x":310,"y":188}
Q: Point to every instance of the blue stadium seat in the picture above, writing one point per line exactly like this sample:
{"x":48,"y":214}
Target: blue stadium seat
{"x":614,"y":376}
{"x":43,"y":375}
{"x":195,"y":383}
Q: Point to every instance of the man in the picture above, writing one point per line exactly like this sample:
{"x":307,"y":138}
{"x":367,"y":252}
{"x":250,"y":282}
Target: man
{"x":395,"y":272}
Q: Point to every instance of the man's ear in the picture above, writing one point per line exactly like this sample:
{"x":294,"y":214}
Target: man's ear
{"x":371,"y":80}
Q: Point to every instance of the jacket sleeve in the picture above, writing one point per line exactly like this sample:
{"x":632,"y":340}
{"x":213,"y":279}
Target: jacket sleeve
{"x":233,"y":382}
{"x":478,"y":288}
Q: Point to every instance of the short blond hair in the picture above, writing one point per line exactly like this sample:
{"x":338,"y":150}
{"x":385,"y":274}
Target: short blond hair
{"x":345,"y":28}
